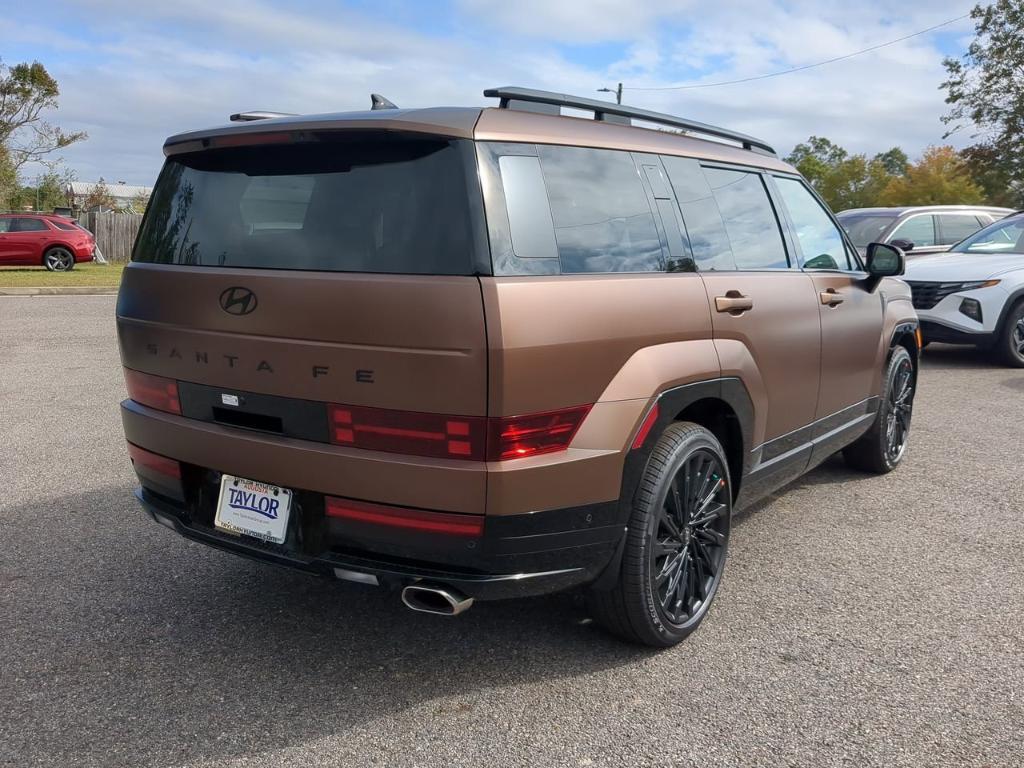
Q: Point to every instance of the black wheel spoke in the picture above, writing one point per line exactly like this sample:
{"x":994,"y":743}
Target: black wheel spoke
{"x":689,"y":537}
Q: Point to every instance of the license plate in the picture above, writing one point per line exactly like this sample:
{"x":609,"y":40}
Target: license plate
{"x":254,"y":509}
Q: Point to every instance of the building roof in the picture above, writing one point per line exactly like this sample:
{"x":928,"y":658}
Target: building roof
{"x":118,"y":191}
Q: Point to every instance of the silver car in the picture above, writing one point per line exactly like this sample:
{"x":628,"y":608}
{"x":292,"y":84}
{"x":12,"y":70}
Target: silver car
{"x":918,"y":230}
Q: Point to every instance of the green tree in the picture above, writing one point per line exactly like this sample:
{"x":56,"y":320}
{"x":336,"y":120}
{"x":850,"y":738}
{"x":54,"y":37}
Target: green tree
{"x":49,"y":191}
{"x":940,"y":178}
{"x":985,"y":90}
{"x":27,"y":92}
{"x":845,"y":180}
{"x":8,"y":181}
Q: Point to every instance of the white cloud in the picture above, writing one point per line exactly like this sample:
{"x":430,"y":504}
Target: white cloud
{"x":163,"y":68}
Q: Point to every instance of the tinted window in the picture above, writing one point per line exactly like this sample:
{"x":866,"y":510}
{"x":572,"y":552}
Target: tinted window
{"x":821,"y":243}
{"x":367,"y":206}
{"x":526,"y":202}
{"x":954,"y":227}
{"x":65,"y":225}
{"x":864,"y":229}
{"x":749,"y":219}
{"x":602,"y":220}
{"x":920,"y":230}
{"x":704,"y":226}
{"x":5,"y":225}
{"x":29,"y":225}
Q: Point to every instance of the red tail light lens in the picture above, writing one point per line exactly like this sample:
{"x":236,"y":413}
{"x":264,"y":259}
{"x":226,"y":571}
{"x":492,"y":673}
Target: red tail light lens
{"x":418,"y":434}
{"x":401,"y":517}
{"x":153,"y":391}
{"x":154,"y":462}
{"x":516,"y":437}
{"x":472,"y":438}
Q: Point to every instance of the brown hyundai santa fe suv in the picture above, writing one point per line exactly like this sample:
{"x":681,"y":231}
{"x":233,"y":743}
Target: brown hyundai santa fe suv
{"x":486,"y":353}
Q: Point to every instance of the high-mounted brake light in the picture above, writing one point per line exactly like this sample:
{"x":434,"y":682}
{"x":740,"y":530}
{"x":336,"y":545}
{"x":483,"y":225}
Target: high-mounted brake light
{"x":452,"y":524}
{"x":153,"y":391}
{"x":154,"y":462}
{"x":472,"y":438}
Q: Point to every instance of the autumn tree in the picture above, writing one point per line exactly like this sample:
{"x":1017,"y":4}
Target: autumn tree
{"x":99,"y":197}
{"x":27,"y":93}
{"x":985,"y":91}
{"x":941,"y":177}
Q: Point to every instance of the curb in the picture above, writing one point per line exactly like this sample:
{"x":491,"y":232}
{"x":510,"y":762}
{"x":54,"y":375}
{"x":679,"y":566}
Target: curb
{"x":61,"y":290}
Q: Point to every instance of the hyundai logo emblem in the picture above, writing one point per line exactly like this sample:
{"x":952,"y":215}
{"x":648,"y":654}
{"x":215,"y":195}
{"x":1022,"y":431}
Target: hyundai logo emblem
{"x":238,"y":301}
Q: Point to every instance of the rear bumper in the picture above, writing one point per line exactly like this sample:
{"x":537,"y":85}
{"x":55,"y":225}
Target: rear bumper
{"x":534,"y":572}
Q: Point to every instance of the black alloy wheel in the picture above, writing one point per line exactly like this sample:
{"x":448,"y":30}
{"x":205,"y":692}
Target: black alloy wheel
{"x":691,"y":531}
{"x":900,"y":405}
{"x":883,"y":446}
{"x":675,"y":544}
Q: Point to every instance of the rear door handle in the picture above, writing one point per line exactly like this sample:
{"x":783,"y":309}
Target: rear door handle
{"x":734,"y":302}
{"x":830,"y":298}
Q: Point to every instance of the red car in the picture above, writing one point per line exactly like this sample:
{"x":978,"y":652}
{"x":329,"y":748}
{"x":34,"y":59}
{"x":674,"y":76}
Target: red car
{"x":40,"y":239}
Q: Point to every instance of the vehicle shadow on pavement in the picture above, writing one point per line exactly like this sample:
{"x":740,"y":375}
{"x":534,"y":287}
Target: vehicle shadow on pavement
{"x":131,"y":641}
{"x":951,"y":356}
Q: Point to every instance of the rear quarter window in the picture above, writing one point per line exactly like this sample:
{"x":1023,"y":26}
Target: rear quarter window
{"x":369,"y":205}
{"x":602,"y":218}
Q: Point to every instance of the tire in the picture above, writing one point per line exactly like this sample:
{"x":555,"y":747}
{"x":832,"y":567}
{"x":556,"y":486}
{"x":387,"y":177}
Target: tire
{"x":882,"y":448}
{"x":1009,"y":347}
{"x":670,"y":571}
{"x":59,"y":259}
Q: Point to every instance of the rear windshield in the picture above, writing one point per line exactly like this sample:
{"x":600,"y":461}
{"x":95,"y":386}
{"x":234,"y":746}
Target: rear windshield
{"x":398,"y":206}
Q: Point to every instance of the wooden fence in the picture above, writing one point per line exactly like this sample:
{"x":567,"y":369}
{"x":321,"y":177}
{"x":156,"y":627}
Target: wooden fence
{"x":115,"y":233}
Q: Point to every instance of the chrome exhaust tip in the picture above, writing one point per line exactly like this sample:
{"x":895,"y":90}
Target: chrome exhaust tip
{"x":442,"y":601}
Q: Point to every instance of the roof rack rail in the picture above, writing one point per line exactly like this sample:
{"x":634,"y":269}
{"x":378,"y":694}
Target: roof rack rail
{"x":525,"y":98}
{"x":258,"y":114}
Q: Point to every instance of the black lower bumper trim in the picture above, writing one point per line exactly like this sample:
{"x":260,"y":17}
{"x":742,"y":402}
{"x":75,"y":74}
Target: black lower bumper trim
{"x":480,"y":586}
{"x":944,"y":334}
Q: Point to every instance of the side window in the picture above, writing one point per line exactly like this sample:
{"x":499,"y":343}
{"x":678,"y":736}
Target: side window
{"x":749,"y":219}
{"x":954,"y":227}
{"x":28,"y":225}
{"x":5,"y":225}
{"x":529,"y":217}
{"x":602,"y":219}
{"x":821,"y":243}
{"x":920,"y":230}
{"x":704,"y":226}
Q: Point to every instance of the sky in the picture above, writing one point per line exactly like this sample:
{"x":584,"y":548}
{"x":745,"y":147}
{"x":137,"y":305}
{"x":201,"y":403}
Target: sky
{"x":132,"y":73}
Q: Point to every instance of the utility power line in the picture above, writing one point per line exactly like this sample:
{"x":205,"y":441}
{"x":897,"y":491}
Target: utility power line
{"x":801,"y":68}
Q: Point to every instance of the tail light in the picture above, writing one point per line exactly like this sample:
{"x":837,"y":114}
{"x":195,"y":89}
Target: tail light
{"x":419,"y":434}
{"x":471,"y":438}
{"x":153,"y":391}
{"x":154,"y":462}
{"x":515,"y":437}
{"x":452,"y":524}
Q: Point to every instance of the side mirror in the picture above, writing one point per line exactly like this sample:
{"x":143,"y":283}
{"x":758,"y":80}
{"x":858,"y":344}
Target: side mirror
{"x":903,"y":245}
{"x":884,"y":260}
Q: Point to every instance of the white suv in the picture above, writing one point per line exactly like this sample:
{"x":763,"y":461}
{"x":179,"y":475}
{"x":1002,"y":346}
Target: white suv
{"x":974,"y":294}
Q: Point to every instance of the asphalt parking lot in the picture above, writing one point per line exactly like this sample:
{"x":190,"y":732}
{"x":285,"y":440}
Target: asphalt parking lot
{"x":862,"y":620}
